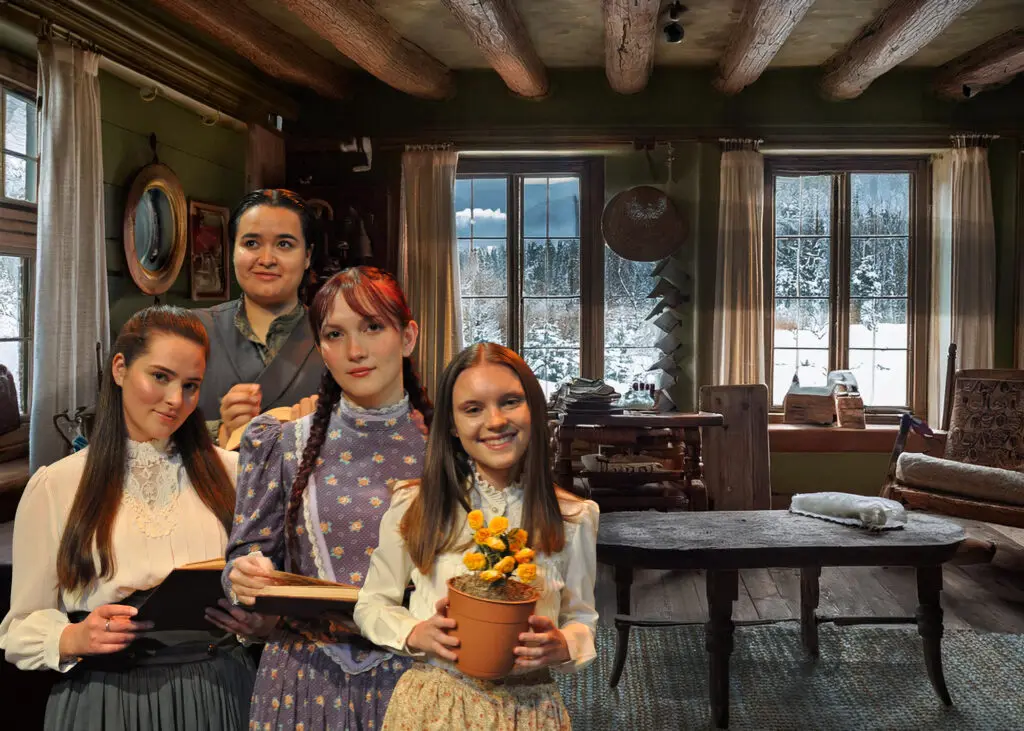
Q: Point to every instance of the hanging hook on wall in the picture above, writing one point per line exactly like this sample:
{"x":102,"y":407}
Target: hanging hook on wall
{"x":148,"y":95}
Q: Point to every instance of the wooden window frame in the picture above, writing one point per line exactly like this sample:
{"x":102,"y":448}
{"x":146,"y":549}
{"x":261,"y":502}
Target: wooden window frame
{"x":591,"y":173}
{"x":25,"y":335}
{"x":919,"y":265}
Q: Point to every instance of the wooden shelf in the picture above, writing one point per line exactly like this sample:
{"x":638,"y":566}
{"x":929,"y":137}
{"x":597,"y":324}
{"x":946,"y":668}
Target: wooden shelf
{"x":874,"y":438}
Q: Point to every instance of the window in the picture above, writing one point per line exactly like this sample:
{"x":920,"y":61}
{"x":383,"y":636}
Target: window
{"x":19,"y":170}
{"x":526,"y":250}
{"x":845,"y":235}
{"x":629,"y":339}
{"x":20,"y":158}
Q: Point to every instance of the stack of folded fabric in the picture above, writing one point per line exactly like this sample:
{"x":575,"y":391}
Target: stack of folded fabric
{"x":586,"y":396}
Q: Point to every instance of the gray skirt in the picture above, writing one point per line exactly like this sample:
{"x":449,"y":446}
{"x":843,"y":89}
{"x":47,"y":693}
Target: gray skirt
{"x":207,"y":695}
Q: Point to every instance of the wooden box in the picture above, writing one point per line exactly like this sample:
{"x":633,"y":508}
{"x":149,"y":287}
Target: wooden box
{"x":808,"y":408}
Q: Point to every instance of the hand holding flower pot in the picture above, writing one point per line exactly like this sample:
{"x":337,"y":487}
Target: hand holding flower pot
{"x":493,"y":603}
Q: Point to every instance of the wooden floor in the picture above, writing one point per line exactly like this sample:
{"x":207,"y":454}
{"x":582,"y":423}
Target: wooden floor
{"x":986,"y":597}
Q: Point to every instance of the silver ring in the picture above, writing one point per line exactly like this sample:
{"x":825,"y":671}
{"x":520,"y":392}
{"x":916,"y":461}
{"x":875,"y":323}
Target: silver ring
{"x":108,"y":625}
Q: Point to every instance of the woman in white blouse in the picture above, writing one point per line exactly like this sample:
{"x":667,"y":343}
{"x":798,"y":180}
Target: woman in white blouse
{"x":489,"y":432}
{"x":150,"y":493}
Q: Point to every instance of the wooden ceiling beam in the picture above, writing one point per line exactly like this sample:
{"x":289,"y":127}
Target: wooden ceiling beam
{"x":630,"y":31}
{"x":496,"y":29}
{"x":989,"y":65}
{"x":764,"y":26}
{"x":271,"y":49}
{"x":361,"y":33}
{"x":899,"y":31}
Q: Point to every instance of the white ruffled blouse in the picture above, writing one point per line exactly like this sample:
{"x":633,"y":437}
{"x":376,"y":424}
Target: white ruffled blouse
{"x":162,"y":524}
{"x":566,"y":579}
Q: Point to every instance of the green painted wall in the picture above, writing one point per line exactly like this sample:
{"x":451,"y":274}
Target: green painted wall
{"x":209,"y":162}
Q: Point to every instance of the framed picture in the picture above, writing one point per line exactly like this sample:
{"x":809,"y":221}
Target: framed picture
{"x":209,"y":260}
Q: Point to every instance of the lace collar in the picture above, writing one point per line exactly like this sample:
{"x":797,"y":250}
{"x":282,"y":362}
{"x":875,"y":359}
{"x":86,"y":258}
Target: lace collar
{"x":151,"y":451}
{"x":372,"y":419}
{"x":496,"y":500}
{"x":152,"y":485}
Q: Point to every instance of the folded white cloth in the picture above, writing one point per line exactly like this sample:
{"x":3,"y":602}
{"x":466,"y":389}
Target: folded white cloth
{"x":873,"y":513}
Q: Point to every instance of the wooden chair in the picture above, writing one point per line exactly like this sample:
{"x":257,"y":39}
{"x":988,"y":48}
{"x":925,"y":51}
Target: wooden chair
{"x":980,"y":475}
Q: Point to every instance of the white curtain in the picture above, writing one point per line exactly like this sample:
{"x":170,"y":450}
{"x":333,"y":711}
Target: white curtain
{"x":264,"y":159}
{"x":973,"y":272}
{"x":428,"y":258}
{"x":71,"y":306}
{"x":941,"y":309}
{"x":739,"y":317}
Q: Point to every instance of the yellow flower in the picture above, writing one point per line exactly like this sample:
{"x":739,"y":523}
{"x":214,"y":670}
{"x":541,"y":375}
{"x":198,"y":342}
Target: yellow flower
{"x":490,"y":575}
{"x":482,"y":536}
{"x":525,"y":555}
{"x":476,"y":520}
{"x":474,"y":561}
{"x":499,"y":524}
{"x":505,"y":565}
{"x":496,"y":543}
{"x":527,"y":572}
{"x":521,"y":536}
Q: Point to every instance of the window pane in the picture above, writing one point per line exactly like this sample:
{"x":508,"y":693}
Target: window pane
{"x":879,"y":204}
{"x":625,"y":366}
{"x":551,"y":339}
{"x":812,"y":366}
{"x":463,"y":207}
{"x":783,"y":368}
{"x":814,"y":267}
{"x":20,"y":126}
{"x":629,"y":338}
{"x":552,"y":367}
{"x":815,"y":204}
{"x":10,"y":356}
{"x":12,"y":297}
{"x":813,"y":324}
{"x":551,"y":267}
{"x":535,"y":208}
{"x":879,"y":266}
{"x":19,"y":179}
{"x":564,"y":207}
{"x":787,"y":206}
{"x":484,"y":320}
{"x":787,"y":258}
{"x":490,"y":207}
{"x":483,"y":267}
{"x":879,"y":338}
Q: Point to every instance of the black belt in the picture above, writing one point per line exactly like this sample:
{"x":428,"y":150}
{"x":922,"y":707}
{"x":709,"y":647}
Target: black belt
{"x":147,"y":652}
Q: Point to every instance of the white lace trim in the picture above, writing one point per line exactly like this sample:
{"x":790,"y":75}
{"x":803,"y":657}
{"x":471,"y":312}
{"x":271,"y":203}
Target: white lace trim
{"x":344,"y":405}
{"x":497,"y":500}
{"x":152,"y":485}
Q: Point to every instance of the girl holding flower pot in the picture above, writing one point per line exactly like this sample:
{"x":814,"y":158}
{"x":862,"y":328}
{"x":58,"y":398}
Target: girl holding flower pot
{"x":311,"y":494}
{"x":486,"y":489}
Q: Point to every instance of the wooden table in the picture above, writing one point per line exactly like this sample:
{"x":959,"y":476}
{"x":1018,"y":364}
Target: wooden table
{"x":722,"y":542}
{"x":682,"y":432}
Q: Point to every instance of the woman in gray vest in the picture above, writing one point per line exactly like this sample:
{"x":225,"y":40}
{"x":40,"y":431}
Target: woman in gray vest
{"x":261,"y":347}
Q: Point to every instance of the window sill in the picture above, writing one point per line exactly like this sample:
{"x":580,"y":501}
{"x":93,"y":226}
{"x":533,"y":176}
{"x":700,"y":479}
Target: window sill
{"x":794,"y":438}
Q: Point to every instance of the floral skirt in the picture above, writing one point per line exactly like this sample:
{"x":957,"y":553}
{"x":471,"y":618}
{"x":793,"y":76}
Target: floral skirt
{"x":429,"y":698}
{"x":298,"y":686}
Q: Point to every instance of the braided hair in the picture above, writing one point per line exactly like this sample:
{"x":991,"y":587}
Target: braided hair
{"x":371,"y":292}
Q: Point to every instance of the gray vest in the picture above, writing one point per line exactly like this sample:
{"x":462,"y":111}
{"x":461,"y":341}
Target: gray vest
{"x":293,"y":374}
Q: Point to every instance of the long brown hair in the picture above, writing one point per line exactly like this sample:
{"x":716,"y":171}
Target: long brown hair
{"x":432,"y":524}
{"x":99,"y":494}
{"x":373,"y":293}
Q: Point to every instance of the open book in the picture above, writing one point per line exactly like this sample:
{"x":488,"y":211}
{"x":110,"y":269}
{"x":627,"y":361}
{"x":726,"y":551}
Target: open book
{"x":281,"y":413}
{"x":180,"y":601}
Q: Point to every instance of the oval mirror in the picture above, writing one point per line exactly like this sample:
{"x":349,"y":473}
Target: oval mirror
{"x":155,"y":228}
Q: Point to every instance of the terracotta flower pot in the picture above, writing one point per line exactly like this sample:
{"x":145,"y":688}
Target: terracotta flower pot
{"x":488,"y":631}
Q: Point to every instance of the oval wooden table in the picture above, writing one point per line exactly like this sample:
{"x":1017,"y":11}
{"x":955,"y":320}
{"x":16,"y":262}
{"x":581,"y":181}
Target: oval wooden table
{"x":723,"y":542}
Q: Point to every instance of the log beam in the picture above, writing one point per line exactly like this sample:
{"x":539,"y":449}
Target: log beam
{"x":764,"y":26}
{"x":272,"y":50}
{"x":630,"y":30}
{"x":497,"y":30}
{"x":989,"y":65}
{"x":361,"y":33}
{"x":899,"y":31}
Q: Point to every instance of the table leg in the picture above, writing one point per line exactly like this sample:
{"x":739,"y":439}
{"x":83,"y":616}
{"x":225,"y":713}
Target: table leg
{"x":929,"y":626}
{"x":623,"y":584}
{"x":722,"y":589}
{"x":809,"y":576}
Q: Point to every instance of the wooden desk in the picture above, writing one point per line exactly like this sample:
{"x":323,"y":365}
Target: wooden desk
{"x":722,"y":542}
{"x":681,"y":432}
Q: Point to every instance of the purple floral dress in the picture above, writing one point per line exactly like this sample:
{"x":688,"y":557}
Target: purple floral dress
{"x":307,"y":683}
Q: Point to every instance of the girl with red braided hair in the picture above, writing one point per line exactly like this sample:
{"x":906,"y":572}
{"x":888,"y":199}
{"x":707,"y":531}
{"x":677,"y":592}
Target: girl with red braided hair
{"x":311,"y":494}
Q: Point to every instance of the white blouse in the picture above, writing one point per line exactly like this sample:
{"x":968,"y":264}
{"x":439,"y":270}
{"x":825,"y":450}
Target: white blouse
{"x":566,"y":579}
{"x":162,"y":524}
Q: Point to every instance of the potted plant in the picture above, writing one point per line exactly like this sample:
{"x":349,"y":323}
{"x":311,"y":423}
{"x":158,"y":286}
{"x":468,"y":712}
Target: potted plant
{"x":492,"y":604}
